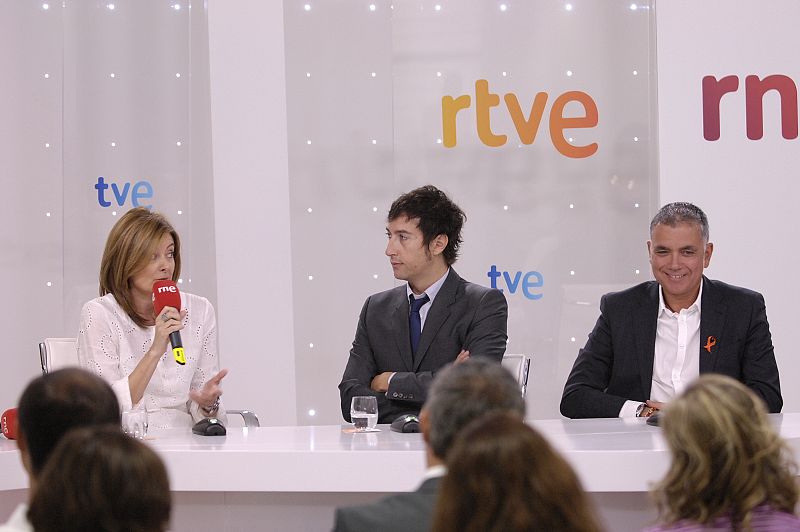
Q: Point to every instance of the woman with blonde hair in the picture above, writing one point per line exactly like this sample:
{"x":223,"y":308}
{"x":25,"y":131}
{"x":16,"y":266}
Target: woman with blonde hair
{"x":730,"y":470}
{"x":502,"y":476}
{"x":122,"y":340}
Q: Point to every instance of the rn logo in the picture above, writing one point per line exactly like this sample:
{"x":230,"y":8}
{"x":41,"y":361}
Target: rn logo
{"x":517,"y":280}
{"x":140,"y":190}
{"x":755,"y":89}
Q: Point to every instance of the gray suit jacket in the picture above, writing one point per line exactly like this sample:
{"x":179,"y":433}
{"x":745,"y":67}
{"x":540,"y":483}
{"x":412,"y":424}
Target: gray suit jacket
{"x":617,"y":362}
{"x":404,"y":512}
{"x":462,"y":316}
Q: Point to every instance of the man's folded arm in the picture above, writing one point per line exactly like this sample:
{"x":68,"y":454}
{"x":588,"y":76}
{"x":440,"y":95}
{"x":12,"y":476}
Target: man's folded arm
{"x":585,"y":390}
{"x":759,"y":369}
{"x":360,"y":369}
{"x":486,"y":337}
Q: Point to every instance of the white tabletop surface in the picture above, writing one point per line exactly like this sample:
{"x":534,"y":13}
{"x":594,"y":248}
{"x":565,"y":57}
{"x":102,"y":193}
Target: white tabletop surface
{"x":609,"y":455}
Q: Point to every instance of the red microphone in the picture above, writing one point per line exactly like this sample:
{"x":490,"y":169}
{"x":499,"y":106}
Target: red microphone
{"x":8,"y":421}
{"x":166,"y":294}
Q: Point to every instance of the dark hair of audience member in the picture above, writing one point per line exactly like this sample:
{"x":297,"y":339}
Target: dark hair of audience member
{"x":726,"y":457}
{"x":101,"y":480}
{"x":53,"y":404}
{"x":502,"y":476}
{"x":437,"y":215}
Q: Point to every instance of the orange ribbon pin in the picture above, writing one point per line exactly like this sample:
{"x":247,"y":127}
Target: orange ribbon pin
{"x":711,"y":342}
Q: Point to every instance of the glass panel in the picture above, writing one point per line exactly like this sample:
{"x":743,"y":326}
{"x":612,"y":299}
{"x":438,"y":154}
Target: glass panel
{"x":366,"y":123}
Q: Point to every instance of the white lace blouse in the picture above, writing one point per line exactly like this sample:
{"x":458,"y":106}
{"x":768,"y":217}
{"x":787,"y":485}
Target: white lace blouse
{"x":111,"y":345}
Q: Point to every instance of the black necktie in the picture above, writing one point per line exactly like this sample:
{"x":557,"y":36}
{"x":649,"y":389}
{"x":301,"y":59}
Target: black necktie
{"x":414,"y":321}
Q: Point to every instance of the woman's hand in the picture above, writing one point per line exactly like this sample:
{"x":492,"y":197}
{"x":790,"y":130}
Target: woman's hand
{"x":208,"y":395}
{"x":167,"y":322}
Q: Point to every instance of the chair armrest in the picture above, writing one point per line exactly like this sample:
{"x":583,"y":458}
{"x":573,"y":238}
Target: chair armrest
{"x":250,"y":418}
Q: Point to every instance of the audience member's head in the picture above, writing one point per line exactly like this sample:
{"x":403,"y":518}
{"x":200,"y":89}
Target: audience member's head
{"x":53,"y":404}
{"x":101,"y":480}
{"x":503,"y":476}
{"x":726,"y":457}
{"x":464,"y":392}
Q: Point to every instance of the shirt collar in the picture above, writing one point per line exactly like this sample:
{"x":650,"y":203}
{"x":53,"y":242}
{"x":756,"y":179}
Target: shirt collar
{"x":432,"y":289}
{"x":434,"y":471}
{"x":662,"y":306}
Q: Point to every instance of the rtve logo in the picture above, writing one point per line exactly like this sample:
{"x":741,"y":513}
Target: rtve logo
{"x":526,"y":127}
{"x":754,"y":90}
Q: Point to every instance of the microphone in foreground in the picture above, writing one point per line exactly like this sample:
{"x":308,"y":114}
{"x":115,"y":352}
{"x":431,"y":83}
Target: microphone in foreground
{"x":8,"y":422}
{"x":166,"y":294}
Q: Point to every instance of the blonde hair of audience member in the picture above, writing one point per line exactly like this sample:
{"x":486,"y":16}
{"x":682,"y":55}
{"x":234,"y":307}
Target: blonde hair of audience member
{"x":726,"y":457}
{"x":101,"y":480}
{"x":128,"y":250}
{"x":503,"y":476}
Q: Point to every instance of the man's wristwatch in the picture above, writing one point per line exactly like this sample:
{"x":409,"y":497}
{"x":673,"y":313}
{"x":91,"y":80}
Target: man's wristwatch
{"x":645,"y":411}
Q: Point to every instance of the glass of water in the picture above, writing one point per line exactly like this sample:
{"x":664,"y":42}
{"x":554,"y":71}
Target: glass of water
{"x":364,"y":412}
{"x":134,"y":423}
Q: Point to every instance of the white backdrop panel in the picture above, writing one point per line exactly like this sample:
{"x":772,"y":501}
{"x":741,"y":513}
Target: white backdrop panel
{"x":747,"y":187}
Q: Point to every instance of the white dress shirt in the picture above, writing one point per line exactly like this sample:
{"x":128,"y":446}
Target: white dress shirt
{"x":676,"y":359}
{"x":111,"y":345}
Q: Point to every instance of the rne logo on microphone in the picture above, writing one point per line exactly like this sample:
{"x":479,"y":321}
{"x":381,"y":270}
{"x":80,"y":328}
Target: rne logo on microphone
{"x":171,"y":288}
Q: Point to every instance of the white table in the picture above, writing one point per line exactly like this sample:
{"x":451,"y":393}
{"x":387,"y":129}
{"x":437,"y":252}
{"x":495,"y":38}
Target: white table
{"x":291,"y":478}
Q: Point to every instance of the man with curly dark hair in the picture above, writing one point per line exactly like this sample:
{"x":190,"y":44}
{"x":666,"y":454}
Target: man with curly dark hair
{"x":406,"y":334}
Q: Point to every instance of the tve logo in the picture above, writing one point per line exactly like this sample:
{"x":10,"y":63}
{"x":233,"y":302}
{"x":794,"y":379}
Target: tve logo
{"x":754,"y":89}
{"x":140,"y":190}
{"x":518,"y":280}
{"x":527,"y":127}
